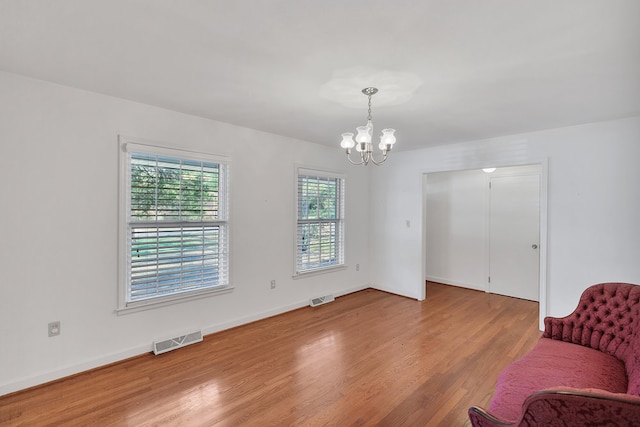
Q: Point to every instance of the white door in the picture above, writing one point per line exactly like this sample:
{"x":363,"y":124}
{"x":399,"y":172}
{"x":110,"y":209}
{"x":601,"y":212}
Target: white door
{"x":514,"y":230}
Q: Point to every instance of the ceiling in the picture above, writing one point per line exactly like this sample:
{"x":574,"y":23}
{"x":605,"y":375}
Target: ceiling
{"x":447,"y":70}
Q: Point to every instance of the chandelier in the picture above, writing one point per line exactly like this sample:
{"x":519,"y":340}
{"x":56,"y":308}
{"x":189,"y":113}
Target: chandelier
{"x":363,"y":143}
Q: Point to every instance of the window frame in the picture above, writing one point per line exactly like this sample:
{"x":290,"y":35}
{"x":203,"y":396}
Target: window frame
{"x":127,"y":146}
{"x":340,"y":221}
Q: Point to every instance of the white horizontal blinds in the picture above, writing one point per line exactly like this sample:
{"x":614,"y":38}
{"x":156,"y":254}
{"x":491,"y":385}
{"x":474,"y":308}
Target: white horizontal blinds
{"x":320,"y":221}
{"x":167,"y":260}
{"x":177,"y":226}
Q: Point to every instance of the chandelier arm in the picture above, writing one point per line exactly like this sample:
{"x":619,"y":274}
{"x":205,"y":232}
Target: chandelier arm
{"x":379,"y":162}
{"x":365,"y":156}
{"x":352,"y":162}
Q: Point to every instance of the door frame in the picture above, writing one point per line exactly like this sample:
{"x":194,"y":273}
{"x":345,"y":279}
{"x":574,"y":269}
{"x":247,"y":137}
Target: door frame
{"x":543,"y":245}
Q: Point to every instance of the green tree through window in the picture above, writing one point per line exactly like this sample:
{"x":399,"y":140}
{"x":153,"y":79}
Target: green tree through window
{"x":165,"y":188}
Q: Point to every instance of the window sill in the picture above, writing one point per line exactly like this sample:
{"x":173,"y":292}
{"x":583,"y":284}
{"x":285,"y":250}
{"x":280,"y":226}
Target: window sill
{"x":319,"y":271}
{"x":134,"y":307}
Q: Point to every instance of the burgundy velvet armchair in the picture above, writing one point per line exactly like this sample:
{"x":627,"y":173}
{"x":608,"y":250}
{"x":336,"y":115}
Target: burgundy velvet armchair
{"x":584,"y":370}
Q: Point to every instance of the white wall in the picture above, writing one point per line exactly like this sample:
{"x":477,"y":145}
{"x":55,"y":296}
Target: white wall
{"x":59,"y":216}
{"x":593,"y":206}
{"x":455,"y":225}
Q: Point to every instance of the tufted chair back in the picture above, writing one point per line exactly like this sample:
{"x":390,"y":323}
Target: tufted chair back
{"x":607,"y":318}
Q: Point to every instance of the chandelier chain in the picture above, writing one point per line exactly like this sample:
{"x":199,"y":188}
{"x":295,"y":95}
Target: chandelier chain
{"x":369,"y":116}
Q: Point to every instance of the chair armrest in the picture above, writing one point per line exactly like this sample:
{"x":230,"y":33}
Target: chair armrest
{"x":479,"y":417}
{"x":565,"y":406}
{"x":560,"y":328}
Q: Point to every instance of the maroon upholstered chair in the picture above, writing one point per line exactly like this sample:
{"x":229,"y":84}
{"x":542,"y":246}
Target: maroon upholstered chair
{"x":584,"y":370}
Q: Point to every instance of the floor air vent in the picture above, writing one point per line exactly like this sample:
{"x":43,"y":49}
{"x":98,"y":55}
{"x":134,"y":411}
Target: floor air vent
{"x":160,"y":347}
{"x":321,"y":300}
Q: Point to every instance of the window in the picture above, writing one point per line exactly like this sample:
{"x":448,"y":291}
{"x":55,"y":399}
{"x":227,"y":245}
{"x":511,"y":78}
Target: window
{"x":176,"y":233}
{"x":320,"y":225}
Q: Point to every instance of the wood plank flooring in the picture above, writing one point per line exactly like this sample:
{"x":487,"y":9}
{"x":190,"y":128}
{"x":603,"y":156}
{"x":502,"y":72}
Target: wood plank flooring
{"x":369,"y":358}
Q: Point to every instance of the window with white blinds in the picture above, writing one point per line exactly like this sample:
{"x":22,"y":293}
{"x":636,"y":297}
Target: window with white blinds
{"x":177,"y":236}
{"x":320,"y":221}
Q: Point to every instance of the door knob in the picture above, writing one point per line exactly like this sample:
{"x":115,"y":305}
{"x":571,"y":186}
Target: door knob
{"x":534,"y":246}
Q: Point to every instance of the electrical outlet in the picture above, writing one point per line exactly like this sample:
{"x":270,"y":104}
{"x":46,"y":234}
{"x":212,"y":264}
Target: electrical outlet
{"x":357,"y":267}
{"x":54,"y":328}
{"x":273,"y":284}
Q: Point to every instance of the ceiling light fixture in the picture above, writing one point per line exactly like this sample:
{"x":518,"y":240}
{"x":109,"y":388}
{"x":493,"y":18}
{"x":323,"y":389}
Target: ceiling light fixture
{"x":363,"y":142}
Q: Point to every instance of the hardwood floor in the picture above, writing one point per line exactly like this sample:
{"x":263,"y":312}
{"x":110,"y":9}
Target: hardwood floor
{"x":369,"y":358}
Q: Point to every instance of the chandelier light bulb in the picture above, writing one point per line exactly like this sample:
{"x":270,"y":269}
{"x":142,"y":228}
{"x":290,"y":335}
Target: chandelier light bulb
{"x":347,"y":141}
{"x":387,"y":137}
{"x":363,"y":134}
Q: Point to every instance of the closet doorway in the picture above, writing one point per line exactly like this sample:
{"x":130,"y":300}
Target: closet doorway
{"x":482,"y":230}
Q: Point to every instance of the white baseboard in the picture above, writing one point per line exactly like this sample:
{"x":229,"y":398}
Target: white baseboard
{"x":393,"y":291}
{"x":45,"y":377}
{"x":270,"y":313}
{"x":456,"y":283}
{"x":352,"y":290}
